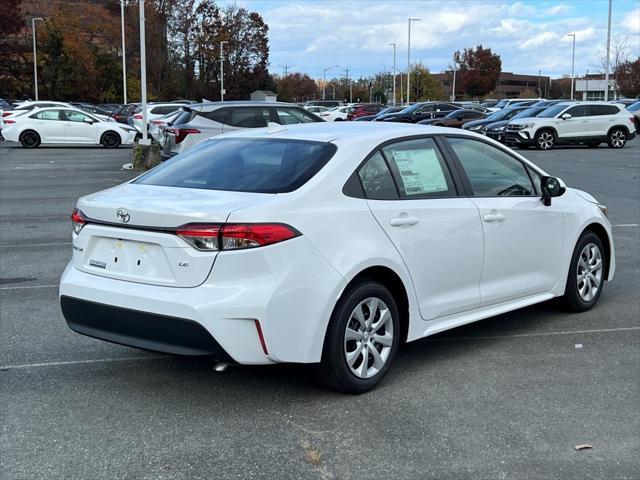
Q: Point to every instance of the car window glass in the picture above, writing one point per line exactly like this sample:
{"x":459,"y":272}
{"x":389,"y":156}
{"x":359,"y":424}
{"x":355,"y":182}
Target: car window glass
{"x":243,"y":165}
{"x":577,"y":111}
{"x":164,"y":109}
{"x":491,"y":172}
{"x":425,"y":108}
{"x":289,"y":116}
{"x":47,"y":115}
{"x":249,"y":117}
{"x":377,"y":180}
{"x":219,"y":115}
{"x":537,"y":179}
{"x":72,"y":116}
{"x":420,"y":168}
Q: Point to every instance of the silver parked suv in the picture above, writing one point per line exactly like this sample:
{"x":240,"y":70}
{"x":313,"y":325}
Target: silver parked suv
{"x":200,"y":121}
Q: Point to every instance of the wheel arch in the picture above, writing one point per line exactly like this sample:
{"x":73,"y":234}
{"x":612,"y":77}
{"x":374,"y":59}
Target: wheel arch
{"x":620,"y":127}
{"x":545,"y":128}
{"x":603,"y":235}
{"x":29,"y":129}
{"x":110,"y":131}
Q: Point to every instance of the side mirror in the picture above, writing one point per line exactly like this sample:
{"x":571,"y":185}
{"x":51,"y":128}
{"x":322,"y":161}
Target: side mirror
{"x":87,"y":120}
{"x":551,"y":187}
{"x":565,"y":116}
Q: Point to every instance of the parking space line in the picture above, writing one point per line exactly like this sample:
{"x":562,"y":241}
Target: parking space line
{"x":26,"y":287}
{"x":80,"y":362}
{"x":626,"y":225}
{"x":35,"y":244}
{"x":539,"y":334}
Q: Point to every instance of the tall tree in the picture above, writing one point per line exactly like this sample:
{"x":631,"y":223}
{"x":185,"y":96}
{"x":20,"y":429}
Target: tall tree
{"x":479,"y":70}
{"x":627,"y":77}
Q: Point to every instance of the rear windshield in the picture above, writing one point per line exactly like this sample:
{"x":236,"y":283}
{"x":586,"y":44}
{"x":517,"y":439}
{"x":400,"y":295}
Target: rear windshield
{"x":243,"y":165}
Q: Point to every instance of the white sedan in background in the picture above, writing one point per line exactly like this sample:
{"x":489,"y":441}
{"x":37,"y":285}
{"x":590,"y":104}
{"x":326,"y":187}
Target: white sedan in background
{"x":65,"y":125}
{"x":336,"y":114}
{"x":330,"y":244}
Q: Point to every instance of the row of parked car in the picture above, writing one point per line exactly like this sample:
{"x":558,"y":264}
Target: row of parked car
{"x":179,"y":125}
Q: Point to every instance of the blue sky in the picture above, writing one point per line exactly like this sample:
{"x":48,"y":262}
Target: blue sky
{"x":310,"y":35}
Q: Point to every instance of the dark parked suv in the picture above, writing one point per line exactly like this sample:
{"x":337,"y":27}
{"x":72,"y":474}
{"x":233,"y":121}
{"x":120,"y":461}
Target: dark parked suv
{"x":419,"y":111}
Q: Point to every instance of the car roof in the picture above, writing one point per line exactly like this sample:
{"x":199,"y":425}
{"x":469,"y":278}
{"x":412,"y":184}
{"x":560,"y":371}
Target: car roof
{"x":240,"y":103}
{"x":377,"y":132}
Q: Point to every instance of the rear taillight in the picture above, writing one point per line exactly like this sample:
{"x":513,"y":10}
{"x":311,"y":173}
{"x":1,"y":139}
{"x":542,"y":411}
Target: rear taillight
{"x":78,"y":220}
{"x":181,"y":133}
{"x":214,"y":237}
{"x":631,"y":119}
{"x":137,"y":116}
{"x":8,"y":121}
{"x":6,"y":114}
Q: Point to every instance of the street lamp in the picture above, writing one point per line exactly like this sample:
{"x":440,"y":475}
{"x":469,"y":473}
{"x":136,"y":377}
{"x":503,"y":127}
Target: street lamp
{"x":606,"y":67}
{"x":222,"y":70}
{"x":587,"y":87}
{"x":333,"y":95}
{"x":573,"y":59}
{"x":453,"y":87}
{"x":409,"y":58}
{"x":124,"y":61}
{"x":394,"y":72}
{"x":143,"y":77}
{"x":324,"y":79}
{"x":35,"y":62}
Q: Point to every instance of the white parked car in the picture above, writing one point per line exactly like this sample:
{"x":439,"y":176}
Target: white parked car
{"x":336,"y":113}
{"x":508,"y":102}
{"x":330,"y":244}
{"x":65,"y":125}
{"x":589,"y":123}
{"x":154,"y":111}
{"x":28,"y":106}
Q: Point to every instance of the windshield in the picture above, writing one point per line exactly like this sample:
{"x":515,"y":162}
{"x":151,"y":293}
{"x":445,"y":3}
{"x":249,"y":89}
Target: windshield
{"x":553,"y":111}
{"x":528,"y":112}
{"x":505,"y":114}
{"x":411,"y":108}
{"x":243,"y":165}
{"x":502,"y":103}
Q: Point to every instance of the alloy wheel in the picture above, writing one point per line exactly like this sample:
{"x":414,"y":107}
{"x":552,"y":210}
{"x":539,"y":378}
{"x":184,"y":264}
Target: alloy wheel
{"x":368,"y":337}
{"x":545,"y":140}
{"x":618,"y":139}
{"x":589,"y":272}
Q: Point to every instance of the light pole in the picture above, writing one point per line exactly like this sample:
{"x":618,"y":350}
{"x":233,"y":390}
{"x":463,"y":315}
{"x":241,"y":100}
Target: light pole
{"x":409,"y":58}
{"x":394,"y":73}
{"x":417,"y":85}
{"x":324,"y":79}
{"x":35,"y":62}
{"x":606,"y":66}
{"x":453,"y":88}
{"x":587,"y":86}
{"x":573,"y":60}
{"x":222,"y":70}
{"x":539,"y":91}
{"x":124,"y":61}
{"x":333,"y":95}
{"x":143,"y":76}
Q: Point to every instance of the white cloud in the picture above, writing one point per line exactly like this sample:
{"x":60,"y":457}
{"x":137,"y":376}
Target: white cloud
{"x":631,"y":21}
{"x":557,"y":9}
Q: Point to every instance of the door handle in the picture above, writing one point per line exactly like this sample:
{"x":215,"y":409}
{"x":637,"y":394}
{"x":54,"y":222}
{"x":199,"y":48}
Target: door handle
{"x":493,"y":217}
{"x":402,"y":221}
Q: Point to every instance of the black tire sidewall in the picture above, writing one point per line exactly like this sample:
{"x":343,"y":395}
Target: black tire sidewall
{"x":107,"y":135}
{"x":571,"y":295}
{"x":30,"y":132}
{"x":537,"y":136}
{"x":609,"y":140}
{"x":334,"y":371}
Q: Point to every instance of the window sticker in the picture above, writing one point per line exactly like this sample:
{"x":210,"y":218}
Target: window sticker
{"x":420,"y":171}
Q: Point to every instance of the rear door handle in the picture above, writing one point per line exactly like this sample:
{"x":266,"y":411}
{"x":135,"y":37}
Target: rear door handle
{"x":493,"y":217}
{"x":402,"y":221}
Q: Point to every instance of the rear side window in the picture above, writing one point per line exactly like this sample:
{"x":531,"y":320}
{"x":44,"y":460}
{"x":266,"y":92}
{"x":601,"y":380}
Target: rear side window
{"x":420,"y":168}
{"x":602,"y":110}
{"x":184,"y":117}
{"x":243,"y":165}
{"x":219,"y":115}
{"x":47,"y":115}
{"x":248,"y":117}
{"x":491,"y":172}
{"x":376,"y":178}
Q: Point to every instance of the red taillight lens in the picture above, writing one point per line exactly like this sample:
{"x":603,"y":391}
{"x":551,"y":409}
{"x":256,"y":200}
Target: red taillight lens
{"x":201,"y":237}
{"x":213,"y":237}
{"x":9,"y":122}
{"x":234,"y":237}
{"x":78,"y":220}
{"x":181,"y":133}
{"x":137,"y":116}
{"x":6,"y":114}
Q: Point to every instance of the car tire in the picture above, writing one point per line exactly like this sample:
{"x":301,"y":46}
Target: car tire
{"x":586,"y":273}
{"x":110,"y":140}
{"x":545,"y":140}
{"x":616,"y":138}
{"x":354,"y":331}
{"x":30,"y":139}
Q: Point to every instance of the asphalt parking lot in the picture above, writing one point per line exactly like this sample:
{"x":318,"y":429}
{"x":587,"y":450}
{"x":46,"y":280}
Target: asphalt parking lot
{"x":506,"y":398}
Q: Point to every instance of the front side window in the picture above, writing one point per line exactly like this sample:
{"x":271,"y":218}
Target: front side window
{"x":243,"y":165}
{"x":72,"y":116}
{"x":578,"y":111}
{"x":47,"y":115}
{"x":290,"y":116}
{"x":491,"y":172}
{"x":377,"y":180}
{"x":420,"y":168}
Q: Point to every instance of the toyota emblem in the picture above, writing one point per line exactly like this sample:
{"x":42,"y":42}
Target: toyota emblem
{"x":123,"y":215}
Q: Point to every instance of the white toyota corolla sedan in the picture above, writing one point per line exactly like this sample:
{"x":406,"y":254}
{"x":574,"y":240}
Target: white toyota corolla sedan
{"x":65,"y":125}
{"x":328,"y":243}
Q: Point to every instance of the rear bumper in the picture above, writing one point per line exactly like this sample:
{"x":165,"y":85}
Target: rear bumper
{"x":160,"y":333}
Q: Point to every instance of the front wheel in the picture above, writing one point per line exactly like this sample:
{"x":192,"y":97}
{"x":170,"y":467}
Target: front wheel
{"x":586,"y":273}
{"x":362,"y":339}
{"x":617,"y":138}
{"x":545,"y":140}
{"x":110,"y":140}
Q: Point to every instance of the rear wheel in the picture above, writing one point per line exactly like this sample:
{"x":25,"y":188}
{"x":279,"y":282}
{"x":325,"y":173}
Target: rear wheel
{"x":30,"y":139}
{"x":586,"y":273}
{"x":545,"y":140}
{"x":110,"y":140}
{"x":617,"y":138}
{"x":362,"y":339}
